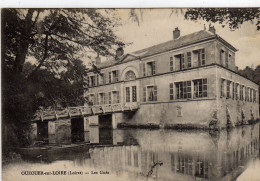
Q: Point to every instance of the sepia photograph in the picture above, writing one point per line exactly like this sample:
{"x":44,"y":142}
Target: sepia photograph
{"x":130,"y":94}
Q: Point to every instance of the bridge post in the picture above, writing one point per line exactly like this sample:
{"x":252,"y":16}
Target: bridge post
{"x":94,"y":134}
{"x":116,"y":118}
{"x":86,"y":129}
{"x":51,"y":132}
{"x":93,"y":120}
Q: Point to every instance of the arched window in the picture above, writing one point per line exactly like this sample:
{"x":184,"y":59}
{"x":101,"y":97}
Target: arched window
{"x":130,"y":75}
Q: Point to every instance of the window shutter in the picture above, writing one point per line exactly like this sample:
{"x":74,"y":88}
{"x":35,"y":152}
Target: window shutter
{"x":177,"y":64}
{"x":226,"y":59}
{"x":171,"y":91}
{"x":110,"y":78}
{"x":97,"y":101}
{"x":97,"y":79}
{"x":155,"y":93}
{"x":144,"y":73}
{"x":154,"y":67}
{"x":109,"y":98}
{"x":171,"y":64}
{"x":88,"y":81}
{"x":117,"y":75}
{"x":144,"y":94}
{"x":118,"y":97}
{"x":104,"y":78}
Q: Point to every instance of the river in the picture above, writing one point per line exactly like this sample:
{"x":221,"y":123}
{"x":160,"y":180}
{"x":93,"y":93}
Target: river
{"x":142,"y":154}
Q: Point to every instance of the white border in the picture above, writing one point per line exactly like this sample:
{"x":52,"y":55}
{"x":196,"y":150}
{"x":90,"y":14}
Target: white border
{"x":129,"y":3}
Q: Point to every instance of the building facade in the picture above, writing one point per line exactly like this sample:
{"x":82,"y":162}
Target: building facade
{"x":190,"y":81}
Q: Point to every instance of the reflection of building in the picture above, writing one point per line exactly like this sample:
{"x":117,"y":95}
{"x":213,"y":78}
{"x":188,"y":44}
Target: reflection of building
{"x":205,"y":156}
{"x":189,"y":80}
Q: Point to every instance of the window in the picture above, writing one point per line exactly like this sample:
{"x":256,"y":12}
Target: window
{"x":180,"y":60}
{"x":116,"y":97}
{"x":133,"y":93}
{"x":179,"y":89}
{"x":171,"y":64}
{"x":188,"y":59}
{"x":92,"y":81}
{"x":101,"y":98}
{"x":228,"y":89}
{"x":130,"y":75}
{"x":200,"y":88}
{"x":152,"y":93}
{"x":151,"y":68}
{"x":101,"y":79}
{"x":222,"y":88}
{"x":91,"y":99}
{"x":199,"y":57}
{"x":127,"y":89}
{"x":113,"y":76}
{"x":183,"y":89}
{"x":171,"y":91}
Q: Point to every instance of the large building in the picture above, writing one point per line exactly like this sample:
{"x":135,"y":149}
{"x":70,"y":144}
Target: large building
{"x":190,"y":81}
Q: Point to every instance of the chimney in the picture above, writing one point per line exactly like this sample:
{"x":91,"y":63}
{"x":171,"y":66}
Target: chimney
{"x":212,"y":29}
{"x":176,"y":33}
{"x":119,"y":52}
{"x":98,"y":59}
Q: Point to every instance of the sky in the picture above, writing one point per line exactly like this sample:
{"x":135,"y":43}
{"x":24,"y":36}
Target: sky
{"x":157,"y":25}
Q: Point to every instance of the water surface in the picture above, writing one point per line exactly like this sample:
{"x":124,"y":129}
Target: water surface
{"x":138,"y":154}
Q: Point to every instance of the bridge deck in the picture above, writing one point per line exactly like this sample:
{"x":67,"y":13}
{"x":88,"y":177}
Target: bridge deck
{"x":82,"y":111}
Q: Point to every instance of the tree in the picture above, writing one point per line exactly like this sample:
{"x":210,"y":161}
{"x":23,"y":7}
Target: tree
{"x":55,"y":35}
{"x":56,"y":39}
{"x":234,"y":17}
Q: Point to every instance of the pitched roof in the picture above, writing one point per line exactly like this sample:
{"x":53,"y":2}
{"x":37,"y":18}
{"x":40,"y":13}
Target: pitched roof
{"x":166,"y":46}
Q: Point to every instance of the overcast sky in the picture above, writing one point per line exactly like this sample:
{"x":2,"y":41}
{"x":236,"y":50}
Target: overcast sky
{"x":157,"y":27}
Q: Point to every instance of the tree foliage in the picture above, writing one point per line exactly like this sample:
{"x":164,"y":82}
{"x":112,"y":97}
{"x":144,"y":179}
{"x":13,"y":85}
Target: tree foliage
{"x":55,"y":36}
{"x":234,"y":17}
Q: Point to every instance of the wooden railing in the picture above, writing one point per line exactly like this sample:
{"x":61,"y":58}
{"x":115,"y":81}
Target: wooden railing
{"x":82,"y":111}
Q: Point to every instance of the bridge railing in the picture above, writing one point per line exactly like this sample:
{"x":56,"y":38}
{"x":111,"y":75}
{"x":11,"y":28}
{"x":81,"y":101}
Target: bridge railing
{"x":82,"y":111}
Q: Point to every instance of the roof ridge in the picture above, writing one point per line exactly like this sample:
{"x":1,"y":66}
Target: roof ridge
{"x":172,"y":40}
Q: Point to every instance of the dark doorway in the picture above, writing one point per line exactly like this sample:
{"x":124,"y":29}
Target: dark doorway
{"x":77,"y":130}
{"x":42,"y":131}
{"x":105,"y":129}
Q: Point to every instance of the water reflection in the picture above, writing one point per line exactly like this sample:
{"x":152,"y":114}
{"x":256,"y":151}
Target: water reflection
{"x":166,"y":154}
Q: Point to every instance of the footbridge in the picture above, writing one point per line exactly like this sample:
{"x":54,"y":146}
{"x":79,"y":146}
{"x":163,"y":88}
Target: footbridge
{"x":82,"y":111}
{"x":76,"y":124}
